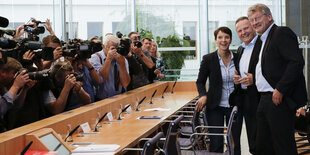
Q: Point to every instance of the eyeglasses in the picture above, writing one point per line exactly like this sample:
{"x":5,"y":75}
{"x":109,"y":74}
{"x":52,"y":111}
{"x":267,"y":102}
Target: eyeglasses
{"x":136,"y":38}
{"x":257,"y":18}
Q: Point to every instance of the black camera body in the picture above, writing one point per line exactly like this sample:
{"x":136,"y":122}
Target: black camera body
{"x":124,"y":46}
{"x":138,"y":44}
{"x":78,"y":77}
{"x":83,"y":49}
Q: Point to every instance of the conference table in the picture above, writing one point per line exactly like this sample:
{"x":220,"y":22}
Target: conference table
{"x":125,"y":132}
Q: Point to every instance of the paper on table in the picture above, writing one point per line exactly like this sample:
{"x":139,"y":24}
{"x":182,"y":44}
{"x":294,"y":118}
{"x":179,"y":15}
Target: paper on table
{"x":96,"y":148}
{"x":157,"y":109}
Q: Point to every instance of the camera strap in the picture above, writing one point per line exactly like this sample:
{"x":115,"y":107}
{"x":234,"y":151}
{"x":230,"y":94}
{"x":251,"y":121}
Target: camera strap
{"x":100,"y":58}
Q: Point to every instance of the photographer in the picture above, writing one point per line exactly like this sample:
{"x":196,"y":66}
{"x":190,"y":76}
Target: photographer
{"x":52,"y":42}
{"x":112,"y":67}
{"x":139,"y":63}
{"x":67,"y":93}
{"x":20,"y":30}
{"x":91,"y":77}
{"x":10,"y":84}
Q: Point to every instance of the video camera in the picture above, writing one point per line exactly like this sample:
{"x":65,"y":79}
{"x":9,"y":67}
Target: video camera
{"x":124,"y":46}
{"x":16,"y":48}
{"x":83,"y":49}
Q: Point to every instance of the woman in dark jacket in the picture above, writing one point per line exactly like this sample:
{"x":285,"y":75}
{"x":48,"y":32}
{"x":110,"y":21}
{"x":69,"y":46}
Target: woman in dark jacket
{"x":219,"y":67}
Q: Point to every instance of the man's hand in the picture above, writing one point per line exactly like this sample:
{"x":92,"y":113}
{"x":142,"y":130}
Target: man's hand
{"x":248,"y":80}
{"x":111,"y":53}
{"x":300,"y":111}
{"x":21,"y":79}
{"x":28,"y":55}
{"x":70,"y":81}
{"x":119,"y":58}
{"x":201,"y":102}
{"x":77,"y":87}
{"x":277,"y":97}
{"x":49,"y":27}
{"x":136,"y":50}
{"x":30,"y":84}
{"x":156,"y":71}
{"x":236,"y":78}
{"x":57,"y":53}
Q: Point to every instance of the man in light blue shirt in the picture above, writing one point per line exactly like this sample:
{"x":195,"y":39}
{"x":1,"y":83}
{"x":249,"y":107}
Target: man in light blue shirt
{"x":112,"y":68}
{"x":247,"y":91}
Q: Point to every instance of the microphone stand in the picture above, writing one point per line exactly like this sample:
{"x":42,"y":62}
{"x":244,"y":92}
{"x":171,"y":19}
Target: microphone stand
{"x":96,"y":126}
{"x":162,"y":95}
{"x":71,"y":133}
{"x":151,"y":102}
{"x":119,"y":115}
{"x":137,"y":108}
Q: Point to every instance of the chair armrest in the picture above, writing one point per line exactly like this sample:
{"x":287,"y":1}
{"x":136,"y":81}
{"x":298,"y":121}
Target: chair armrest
{"x":206,"y":127}
{"x":186,"y":116}
{"x":132,"y":149}
{"x":190,"y":112}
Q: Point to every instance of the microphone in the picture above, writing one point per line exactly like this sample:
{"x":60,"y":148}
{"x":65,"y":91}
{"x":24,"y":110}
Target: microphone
{"x":119,"y":115}
{"x":26,"y":148}
{"x":71,"y":133}
{"x":173,"y":87}
{"x":151,"y":102}
{"x":162,"y":96}
{"x":96,"y":130}
{"x":4,"y":22}
{"x":137,"y":108}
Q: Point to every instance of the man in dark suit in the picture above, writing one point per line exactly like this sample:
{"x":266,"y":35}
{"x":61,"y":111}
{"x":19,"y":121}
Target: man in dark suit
{"x":246,"y":91}
{"x":280,"y":81}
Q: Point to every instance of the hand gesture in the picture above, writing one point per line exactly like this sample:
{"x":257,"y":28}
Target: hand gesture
{"x":49,"y":27}
{"x":248,"y":80}
{"x":236,"y":78}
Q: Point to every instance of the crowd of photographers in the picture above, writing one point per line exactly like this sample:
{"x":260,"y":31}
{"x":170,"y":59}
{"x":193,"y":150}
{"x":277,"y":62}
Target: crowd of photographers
{"x":41,"y":79}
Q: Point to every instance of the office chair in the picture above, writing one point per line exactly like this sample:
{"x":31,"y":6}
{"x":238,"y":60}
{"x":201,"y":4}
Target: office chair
{"x":227,"y":135}
{"x":150,"y":147}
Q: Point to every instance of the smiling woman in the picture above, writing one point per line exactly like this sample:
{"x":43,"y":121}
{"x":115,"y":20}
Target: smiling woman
{"x":219,"y":67}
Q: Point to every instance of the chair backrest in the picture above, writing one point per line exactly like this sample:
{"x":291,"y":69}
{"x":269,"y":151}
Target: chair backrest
{"x":170,"y":145}
{"x":229,"y":126}
{"x":150,"y":146}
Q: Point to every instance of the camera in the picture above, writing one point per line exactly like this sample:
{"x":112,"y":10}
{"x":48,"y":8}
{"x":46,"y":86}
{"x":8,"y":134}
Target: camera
{"x":38,"y":75}
{"x":78,"y":77}
{"x":138,"y":44}
{"x":83,"y":49}
{"x":34,"y":30}
{"x":124,"y":46}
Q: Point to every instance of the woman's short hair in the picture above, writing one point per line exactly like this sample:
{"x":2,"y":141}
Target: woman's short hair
{"x":223,"y":29}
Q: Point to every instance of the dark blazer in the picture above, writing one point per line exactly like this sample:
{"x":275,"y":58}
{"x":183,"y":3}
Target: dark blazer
{"x":252,"y":90}
{"x":210,"y":68}
{"x":282,"y":65}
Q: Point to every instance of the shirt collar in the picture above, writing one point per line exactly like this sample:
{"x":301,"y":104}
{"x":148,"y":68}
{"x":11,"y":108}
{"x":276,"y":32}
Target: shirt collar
{"x":265,"y":34}
{"x":251,"y":43}
{"x":231,"y":54}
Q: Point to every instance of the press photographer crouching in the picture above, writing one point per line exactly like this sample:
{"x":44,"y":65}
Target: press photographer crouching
{"x":67,"y":92}
{"x":13,"y":89}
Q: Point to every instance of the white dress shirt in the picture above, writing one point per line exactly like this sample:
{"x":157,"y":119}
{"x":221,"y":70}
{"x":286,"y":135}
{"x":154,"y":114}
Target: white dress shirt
{"x":245,"y":58}
{"x":261,"y":83}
